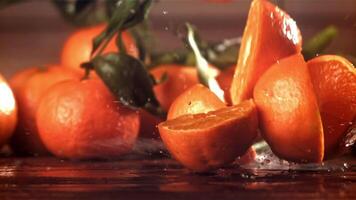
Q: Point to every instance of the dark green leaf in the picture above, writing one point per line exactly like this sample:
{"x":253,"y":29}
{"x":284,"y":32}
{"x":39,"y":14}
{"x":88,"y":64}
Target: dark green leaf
{"x":128,"y":13}
{"x":319,"y":42}
{"x":128,"y":80}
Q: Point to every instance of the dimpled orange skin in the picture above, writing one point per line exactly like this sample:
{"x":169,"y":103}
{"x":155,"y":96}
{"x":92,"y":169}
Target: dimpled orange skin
{"x":208,"y":141}
{"x":334,"y":81}
{"x":179,"y":79}
{"x":77,"y":48}
{"x":8,"y":111}
{"x":270,"y":34}
{"x":83,"y":120}
{"x":289,"y":114}
{"x":29,"y":85}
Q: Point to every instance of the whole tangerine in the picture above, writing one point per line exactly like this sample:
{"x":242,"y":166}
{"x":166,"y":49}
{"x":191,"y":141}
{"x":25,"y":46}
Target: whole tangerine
{"x":29,"y":85}
{"x":81,"y":119}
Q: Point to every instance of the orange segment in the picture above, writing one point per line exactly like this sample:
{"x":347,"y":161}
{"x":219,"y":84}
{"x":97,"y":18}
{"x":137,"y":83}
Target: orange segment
{"x":197,"y":99}
{"x":289,"y":113}
{"x":334,"y":80}
{"x":207,"y":141}
{"x":270,"y":34}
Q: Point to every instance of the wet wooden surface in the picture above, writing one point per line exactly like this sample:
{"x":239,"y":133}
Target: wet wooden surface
{"x":51,"y":178}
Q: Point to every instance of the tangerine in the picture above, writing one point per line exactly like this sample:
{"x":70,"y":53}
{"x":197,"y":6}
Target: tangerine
{"x":334,"y":81}
{"x":289,"y":112}
{"x":83,"y":120}
{"x":207,"y":141}
{"x":78,"y":47}
{"x":29,"y":86}
{"x":270,"y":34}
{"x":8,"y":111}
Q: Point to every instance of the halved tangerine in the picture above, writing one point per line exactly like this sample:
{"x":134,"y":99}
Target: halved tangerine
{"x":270,"y":34}
{"x":334,"y":80}
{"x":207,"y":141}
{"x":196,"y":99}
{"x":289,"y":113}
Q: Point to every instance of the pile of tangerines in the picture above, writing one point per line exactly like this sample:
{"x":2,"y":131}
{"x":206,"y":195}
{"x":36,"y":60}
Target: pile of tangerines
{"x":302,"y":109}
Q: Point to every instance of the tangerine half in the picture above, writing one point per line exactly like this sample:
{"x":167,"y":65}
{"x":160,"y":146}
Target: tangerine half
{"x":207,"y":141}
{"x":289,"y":112}
{"x":270,"y":34}
{"x":334,"y":81}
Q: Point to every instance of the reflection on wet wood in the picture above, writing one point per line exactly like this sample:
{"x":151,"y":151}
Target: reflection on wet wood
{"x":44,"y":178}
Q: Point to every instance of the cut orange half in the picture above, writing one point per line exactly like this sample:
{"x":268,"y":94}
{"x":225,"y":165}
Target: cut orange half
{"x":270,"y":34}
{"x":334,"y":81}
{"x":207,"y":141}
{"x":289,"y":113}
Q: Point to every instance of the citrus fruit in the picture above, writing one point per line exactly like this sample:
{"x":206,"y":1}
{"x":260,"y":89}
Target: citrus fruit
{"x":289,"y":113}
{"x":199,"y":99}
{"x":83,"y":120}
{"x":29,"y":85}
{"x":179,"y":78}
{"x":77,"y":48}
{"x":196,"y":99}
{"x":334,"y":81}
{"x":207,"y":141}
{"x":270,"y":34}
{"x":8,"y":111}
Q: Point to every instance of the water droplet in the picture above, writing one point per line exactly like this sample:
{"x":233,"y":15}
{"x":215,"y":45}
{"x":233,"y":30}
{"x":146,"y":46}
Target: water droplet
{"x":346,"y":165}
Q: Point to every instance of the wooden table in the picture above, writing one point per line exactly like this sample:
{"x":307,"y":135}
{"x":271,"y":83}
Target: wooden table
{"x":163,"y":178}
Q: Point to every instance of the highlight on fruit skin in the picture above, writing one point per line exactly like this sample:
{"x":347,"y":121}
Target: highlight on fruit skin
{"x":8,"y":111}
{"x":81,"y":119}
{"x":208,"y":141}
{"x":290,"y":120}
{"x":334,"y":81}
{"x":270,"y":34}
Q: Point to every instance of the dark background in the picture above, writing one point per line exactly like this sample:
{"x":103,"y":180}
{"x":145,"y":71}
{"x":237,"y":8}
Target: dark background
{"x":32,"y":33}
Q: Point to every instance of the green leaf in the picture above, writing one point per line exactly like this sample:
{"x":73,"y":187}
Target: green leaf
{"x":128,"y":13}
{"x":128,"y":80}
{"x":318,"y":43}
